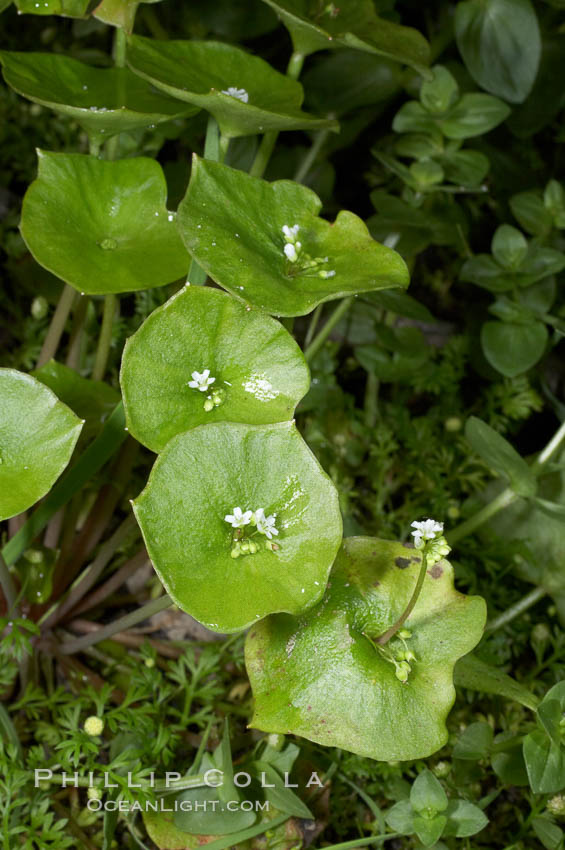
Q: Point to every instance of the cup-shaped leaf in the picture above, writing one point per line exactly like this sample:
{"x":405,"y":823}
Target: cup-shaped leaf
{"x":243,"y":93}
{"x":37,"y":436}
{"x":352,"y":24}
{"x":102,"y":226}
{"x":104,"y":101}
{"x":323,"y":675}
{"x":119,"y":13}
{"x":233,"y":225}
{"x":259,"y":372}
{"x":198,"y":480}
{"x":67,"y":8}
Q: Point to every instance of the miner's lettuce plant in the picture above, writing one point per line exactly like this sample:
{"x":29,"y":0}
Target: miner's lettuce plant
{"x":353,"y":641}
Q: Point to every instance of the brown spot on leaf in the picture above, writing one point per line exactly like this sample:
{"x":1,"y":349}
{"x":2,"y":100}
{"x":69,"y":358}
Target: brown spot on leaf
{"x":402,"y":563}
{"x":436,"y":572}
{"x":408,"y":545}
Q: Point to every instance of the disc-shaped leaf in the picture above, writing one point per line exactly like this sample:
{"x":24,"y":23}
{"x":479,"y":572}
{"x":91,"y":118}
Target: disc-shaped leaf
{"x":102,"y":226}
{"x":104,"y":101}
{"x":198,"y":479}
{"x":322,"y":676}
{"x":243,"y":93}
{"x":259,"y":371}
{"x":67,"y":8}
{"x":352,"y":24}
{"x":37,"y":437}
{"x":233,"y":225}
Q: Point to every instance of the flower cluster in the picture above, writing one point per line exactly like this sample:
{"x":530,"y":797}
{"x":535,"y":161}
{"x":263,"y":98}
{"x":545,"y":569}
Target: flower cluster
{"x":294,"y":254}
{"x":399,"y":656}
{"x":428,"y":534}
{"x":239,"y":94}
{"x":240,"y":520}
{"x":202,"y":381}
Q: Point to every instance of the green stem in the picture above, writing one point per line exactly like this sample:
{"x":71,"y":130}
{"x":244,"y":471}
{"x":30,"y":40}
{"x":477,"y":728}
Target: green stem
{"x":548,"y":452}
{"x":224,"y":144}
{"x":212,"y":151}
{"x":295,"y":65}
{"x":94,"y":145}
{"x":57,"y":326}
{"x":507,"y":496}
{"x":311,"y":156}
{"x":105,"y":338}
{"x":120,"y":48}
{"x":9,"y":589}
{"x":120,"y":625}
{"x":79,"y":317}
{"x":503,"y":500}
{"x":313,"y":325}
{"x":384,"y":638}
{"x":92,"y":459}
{"x":263,"y":155}
{"x":182,"y":784}
{"x":517,"y":609}
{"x":269,"y":139}
{"x":333,"y":320}
{"x":359,"y":842}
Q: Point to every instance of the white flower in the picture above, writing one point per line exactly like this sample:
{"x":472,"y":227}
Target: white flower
{"x":238,"y":519}
{"x":290,"y":252}
{"x":240,"y":94}
{"x":265,"y":524}
{"x":426,"y":530}
{"x":290,"y":233}
{"x":202,"y":381}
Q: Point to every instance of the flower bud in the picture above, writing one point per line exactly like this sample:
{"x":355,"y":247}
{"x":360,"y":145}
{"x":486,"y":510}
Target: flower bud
{"x":94,"y":793}
{"x":93,"y":725}
{"x":453,"y":423}
{"x":39,"y":307}
{"x":208,"y":405}
{"x":556,"y":805}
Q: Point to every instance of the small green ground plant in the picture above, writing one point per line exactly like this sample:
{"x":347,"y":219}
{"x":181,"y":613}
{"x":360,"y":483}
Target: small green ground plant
{"x":282,"y":504}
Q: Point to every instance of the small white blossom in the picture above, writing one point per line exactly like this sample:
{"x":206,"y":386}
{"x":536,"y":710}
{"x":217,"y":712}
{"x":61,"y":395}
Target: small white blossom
{"x":290,"y":252}
{"x":240,"y":94}
{"x":201,"y":381}
{"x":265,"y":524}
{"x":426,"y":530}
{"x":238,"y":519}
{"x":290,"y":233}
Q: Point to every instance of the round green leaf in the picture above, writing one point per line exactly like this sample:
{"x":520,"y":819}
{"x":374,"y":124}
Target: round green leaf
{"x":198,"y":479}
{"x":232,"y":224}
{"x":102,"y":226}
{"x":205,"y":72}
{"x":352,"y":24}
{"x":259,"y":370}
{"x":67,"y":8}
{"x":513,"y":348}
{"x":104,"y":101}
{"x":500,"y":43}
{"x":37,"y":437}
{"x":321,"y":676}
